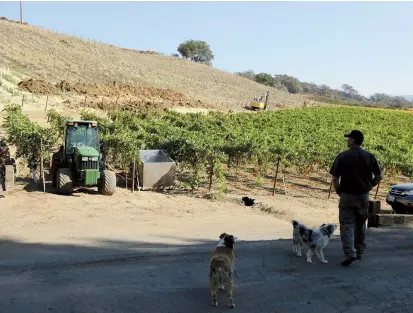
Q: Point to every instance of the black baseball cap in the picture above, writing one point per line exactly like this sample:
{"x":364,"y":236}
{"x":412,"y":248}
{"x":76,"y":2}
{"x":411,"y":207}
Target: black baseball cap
{"x":356,"y":135}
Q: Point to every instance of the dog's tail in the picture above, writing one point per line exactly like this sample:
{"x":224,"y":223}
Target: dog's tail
{"x":295,"y":223}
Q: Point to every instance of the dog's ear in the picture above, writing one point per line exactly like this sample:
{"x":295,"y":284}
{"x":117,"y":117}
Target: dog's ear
{"x":323,"y":225}
{"x":222,"y":235}
{"x":229,"y":241}
{"x":331,"y":228}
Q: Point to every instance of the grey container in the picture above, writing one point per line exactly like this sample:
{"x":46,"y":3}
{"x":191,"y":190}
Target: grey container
{"x":157,"y":169}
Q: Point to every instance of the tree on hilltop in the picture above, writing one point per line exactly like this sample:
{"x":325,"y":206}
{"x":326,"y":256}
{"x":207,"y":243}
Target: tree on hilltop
{"x":349,"y":91}
{"x":265,"y":79}
{"x":197,"y":51}
{"x":247,"y":74}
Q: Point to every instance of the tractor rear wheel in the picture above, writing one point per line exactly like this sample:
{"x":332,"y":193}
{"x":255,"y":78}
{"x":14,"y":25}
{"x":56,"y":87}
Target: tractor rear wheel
{"x":64,"y":181}
{"x":54,"y":168}
{"x":107,"y":183}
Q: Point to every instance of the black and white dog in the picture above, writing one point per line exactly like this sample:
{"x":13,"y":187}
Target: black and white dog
{"x":315,"y":239}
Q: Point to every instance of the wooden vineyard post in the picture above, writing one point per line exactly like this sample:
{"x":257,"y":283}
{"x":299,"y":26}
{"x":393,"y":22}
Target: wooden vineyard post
{"x":211,"y":173}
{"x":22,"y":100}
{"x":331,"y":185}
{"x":133,"y":176}
{"x":275,"y":177}
{"x":137,"y":177}
{"x":41,"y":157}
{"x":47,"y":100}
{"x":41,"y":165}
{"x":377,"y":190}
{"x":285,"y":188}
{"x":374,"y":209}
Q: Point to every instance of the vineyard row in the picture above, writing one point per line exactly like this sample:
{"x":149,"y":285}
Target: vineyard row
{"x":305,"y":138}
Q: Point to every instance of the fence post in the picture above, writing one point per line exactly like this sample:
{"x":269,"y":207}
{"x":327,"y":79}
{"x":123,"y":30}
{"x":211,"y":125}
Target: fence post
{"x":329,"y":192}
{"x":41,"y":165}
{"x":47,"y":99}
{"x":275,"y":177}
{"x":133,"y":176}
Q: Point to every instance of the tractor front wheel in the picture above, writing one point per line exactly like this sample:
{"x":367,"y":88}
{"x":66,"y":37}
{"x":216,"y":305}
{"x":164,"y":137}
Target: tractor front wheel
{"x":107,"y":183}
{"x":64,"y":181}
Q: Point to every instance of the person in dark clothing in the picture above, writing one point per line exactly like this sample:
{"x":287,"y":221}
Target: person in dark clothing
{"x":355,"y":172}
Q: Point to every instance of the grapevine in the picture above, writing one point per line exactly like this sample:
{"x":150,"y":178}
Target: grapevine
{"x":306,"y":139}
{"x":26,"y":135}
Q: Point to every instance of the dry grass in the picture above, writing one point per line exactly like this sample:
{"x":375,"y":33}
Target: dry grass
{"x":33,"y":52}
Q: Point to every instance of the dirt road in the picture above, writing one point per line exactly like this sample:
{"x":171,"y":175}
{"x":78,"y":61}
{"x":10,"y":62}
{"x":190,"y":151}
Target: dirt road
{"x":149,"y":216}
{"x":90,"y":219}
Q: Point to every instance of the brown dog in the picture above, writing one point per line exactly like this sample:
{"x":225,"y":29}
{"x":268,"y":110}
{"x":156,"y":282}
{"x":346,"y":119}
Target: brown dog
{"x":221,"y":268}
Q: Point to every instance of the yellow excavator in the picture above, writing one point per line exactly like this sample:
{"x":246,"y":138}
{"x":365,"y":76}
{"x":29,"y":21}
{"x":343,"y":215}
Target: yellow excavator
{"x":259,"y":104}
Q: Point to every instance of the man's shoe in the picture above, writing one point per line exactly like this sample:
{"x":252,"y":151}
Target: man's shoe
{"x":347,"y":262}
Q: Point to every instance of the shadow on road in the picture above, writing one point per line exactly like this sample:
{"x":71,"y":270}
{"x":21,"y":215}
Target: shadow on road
{"x":120,"y":276}
{"x":16,"y":254}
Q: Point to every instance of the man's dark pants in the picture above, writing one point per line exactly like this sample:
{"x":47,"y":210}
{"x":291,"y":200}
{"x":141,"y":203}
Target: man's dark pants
{"x":353,"y":213}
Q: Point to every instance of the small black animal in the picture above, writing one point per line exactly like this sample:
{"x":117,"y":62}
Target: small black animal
{"x":248,"y":201}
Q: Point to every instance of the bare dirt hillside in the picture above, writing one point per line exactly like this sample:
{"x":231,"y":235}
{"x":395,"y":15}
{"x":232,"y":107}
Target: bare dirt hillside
{"x":32,"y":52}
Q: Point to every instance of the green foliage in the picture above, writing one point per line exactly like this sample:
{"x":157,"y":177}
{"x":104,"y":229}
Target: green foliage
{"x":348,"y":95}
{"x":26,"y":135}
{"x":349,"y":91}
{"x":264,"y":78}
{"x":293,"y":85}
{"x":57,"y":122}
{"x":306,"y":138}
{"x":197,"y":51}
{"x":394,"y":102}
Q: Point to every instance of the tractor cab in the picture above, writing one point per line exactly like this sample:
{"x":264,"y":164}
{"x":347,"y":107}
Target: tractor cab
{"x":78,"y":162}
{"x":80,"y":134}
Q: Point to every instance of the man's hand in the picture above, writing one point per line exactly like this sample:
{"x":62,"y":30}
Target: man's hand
{"x":336,"y":185}
{"x":376,"y":180}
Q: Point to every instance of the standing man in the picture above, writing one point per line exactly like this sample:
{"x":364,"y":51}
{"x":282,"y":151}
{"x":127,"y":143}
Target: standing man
{"x":353,"y":179}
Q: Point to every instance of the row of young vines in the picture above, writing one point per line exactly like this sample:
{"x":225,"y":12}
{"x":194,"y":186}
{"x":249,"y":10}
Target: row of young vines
{"x":305,"y":138}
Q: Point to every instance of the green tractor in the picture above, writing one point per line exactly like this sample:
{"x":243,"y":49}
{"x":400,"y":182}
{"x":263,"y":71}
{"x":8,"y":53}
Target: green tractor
{"x":79,"y":162}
